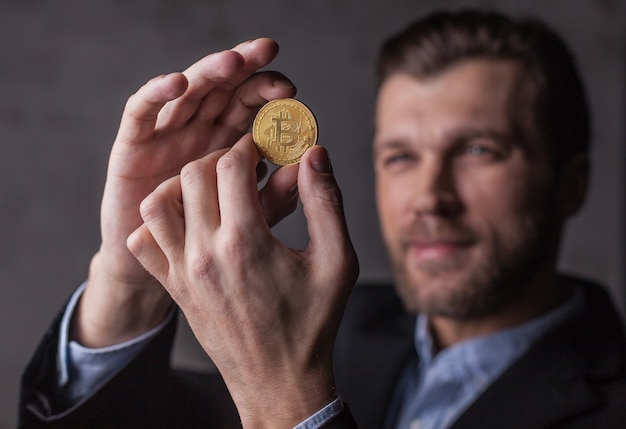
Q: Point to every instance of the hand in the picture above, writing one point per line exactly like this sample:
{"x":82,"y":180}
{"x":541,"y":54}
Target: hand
{"x":170,"y":121}
{"x":267,"y":315}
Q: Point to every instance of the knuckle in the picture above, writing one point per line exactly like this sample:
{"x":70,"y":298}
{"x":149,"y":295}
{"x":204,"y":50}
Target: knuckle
{"x":331,"y":194}
{"x":233,"y":244}
{"x":229,"y":162}
{"x":136,"y":241}
{"x":152,"y":206}
{"x":192,"y":171}
{"x":202,"y":265}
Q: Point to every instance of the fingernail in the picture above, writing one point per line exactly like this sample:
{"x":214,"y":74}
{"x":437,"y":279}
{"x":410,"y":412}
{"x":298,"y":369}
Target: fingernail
{"x":282,"y":83}
{"x":321,"y":161}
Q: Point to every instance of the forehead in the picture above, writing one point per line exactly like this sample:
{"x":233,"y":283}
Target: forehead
{"x":481,"y":93}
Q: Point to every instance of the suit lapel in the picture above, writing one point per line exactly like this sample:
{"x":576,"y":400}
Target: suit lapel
{"x":552,"y":381}
{"x":537,"y":392}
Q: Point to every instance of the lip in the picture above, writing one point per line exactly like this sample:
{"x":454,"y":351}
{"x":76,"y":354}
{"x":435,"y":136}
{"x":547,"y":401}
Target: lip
{"x":433,"y":250}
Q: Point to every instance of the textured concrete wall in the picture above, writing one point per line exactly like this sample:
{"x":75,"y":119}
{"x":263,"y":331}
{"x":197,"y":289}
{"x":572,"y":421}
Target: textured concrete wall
{"x":67,"y":67}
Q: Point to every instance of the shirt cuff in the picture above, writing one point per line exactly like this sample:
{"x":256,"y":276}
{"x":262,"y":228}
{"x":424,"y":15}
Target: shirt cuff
{"x":323,"y":416}
{"x":82,"y":370}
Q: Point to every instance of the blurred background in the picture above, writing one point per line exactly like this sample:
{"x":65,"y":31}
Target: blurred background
{"x":67,"y":68}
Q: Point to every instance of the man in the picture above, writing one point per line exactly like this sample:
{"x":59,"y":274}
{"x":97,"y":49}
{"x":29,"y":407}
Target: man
{"x":480,"y":155}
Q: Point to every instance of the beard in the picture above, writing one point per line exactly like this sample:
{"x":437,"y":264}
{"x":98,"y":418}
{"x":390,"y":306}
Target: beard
{"x":493,"y":271}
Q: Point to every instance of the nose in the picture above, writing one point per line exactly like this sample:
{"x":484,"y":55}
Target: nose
{"x":435,"y":189}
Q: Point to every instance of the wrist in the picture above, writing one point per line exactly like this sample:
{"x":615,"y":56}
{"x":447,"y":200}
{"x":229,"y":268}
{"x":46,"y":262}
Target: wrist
{"x":114,"y":309}
{"x":285,"y":402}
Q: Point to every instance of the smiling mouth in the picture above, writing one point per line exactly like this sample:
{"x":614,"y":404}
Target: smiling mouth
{"x":434,"y":250}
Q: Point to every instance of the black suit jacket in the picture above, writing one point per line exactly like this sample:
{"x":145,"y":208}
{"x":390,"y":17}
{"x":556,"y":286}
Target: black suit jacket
{"x":574,"y":377}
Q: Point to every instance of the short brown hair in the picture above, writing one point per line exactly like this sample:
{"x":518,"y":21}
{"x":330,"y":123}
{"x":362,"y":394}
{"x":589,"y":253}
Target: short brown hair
{"x":432,"y":44}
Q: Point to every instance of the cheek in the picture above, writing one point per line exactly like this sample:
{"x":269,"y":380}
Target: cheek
{"x":391,"y":202}
{"x":500,"y":203}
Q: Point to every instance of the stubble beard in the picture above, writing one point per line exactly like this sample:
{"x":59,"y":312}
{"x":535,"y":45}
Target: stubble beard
{"x":463,"y":289}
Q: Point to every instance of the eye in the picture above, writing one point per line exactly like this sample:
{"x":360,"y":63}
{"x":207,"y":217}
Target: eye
{"x":481,"y":150}
{"x":394,"y":161}
{"x":394,"y":155}
{"x":477,"y":150}
{"x":396,"y":158}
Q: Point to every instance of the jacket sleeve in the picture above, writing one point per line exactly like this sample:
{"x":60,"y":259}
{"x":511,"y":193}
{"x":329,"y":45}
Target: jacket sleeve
{"x":142,"y":386}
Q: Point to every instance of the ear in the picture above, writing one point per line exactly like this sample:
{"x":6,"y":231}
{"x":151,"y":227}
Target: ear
{"x":573,"y":182}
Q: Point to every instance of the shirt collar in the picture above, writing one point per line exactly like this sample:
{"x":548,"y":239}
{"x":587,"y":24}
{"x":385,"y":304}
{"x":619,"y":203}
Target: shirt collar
{"x":491,"y":351}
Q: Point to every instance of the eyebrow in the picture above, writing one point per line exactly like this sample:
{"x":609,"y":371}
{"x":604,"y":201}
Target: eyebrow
{"x":469,"y":133}
{"x":387,"y":144}
{"x":455,"y":135}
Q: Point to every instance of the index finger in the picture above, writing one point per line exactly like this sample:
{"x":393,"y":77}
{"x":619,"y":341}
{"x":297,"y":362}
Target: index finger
{"x":143,"y":107}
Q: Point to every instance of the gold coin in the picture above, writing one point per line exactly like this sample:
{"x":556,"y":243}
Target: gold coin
{"x":283,"y":130}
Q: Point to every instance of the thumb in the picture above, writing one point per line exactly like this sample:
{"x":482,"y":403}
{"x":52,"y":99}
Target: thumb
{"x":330,"y":248}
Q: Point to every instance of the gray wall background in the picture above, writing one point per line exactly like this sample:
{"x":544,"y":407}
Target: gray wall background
{"x":67,"y":67}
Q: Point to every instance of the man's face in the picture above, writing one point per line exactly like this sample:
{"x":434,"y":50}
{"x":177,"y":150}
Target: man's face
{"x":465,"y":191}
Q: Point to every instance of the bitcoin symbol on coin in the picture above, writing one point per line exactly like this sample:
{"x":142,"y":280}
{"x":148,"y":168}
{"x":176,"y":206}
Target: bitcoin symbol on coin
{"x":283,"y":130}
{"x":286,"y":130}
